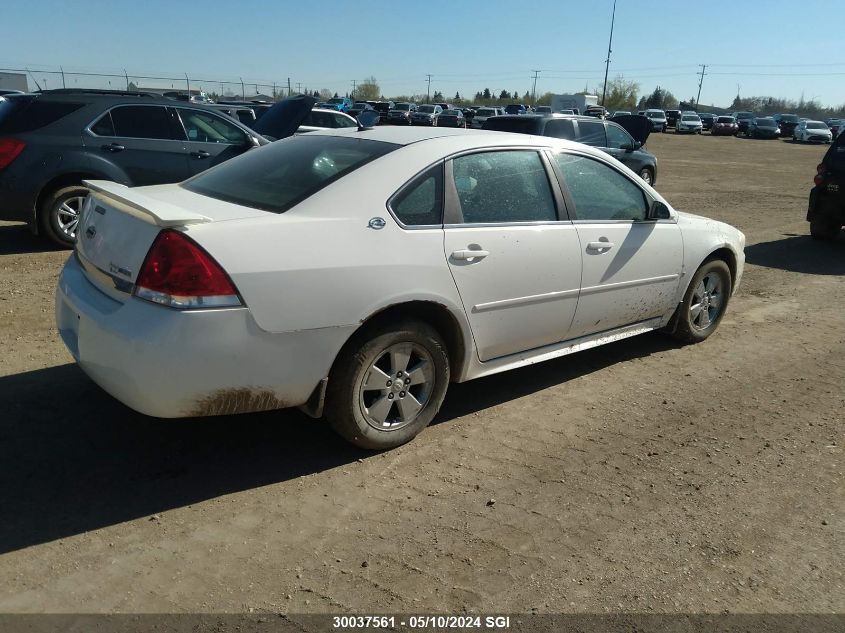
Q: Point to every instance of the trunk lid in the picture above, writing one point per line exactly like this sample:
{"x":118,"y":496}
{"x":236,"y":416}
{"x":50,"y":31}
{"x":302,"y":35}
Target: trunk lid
{"x":285,"y":117}
{"x":636,"y":125}
{"x":119,"y":224}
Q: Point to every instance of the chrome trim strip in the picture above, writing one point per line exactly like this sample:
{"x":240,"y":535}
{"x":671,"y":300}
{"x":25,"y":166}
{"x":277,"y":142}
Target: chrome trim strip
{"x":629,"y":284}
{"x":507,"y":303}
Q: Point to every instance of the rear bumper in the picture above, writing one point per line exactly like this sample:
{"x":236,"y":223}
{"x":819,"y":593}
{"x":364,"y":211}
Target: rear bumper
{"x":17,"y":204}
{"x":166,"y":363}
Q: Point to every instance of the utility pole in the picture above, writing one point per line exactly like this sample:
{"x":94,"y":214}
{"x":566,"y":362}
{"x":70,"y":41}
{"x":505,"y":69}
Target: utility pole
{"x":534,"y":89}
{"x":298,"y":87}
{"x":701,"y":81}
{"x":63,"y":77}
{"x":275,"y":96}
{"x":288,"y":86}
{"x":354,"y":84}
{"x":607,"y":61}
{"x":127,"y":78}
{"x":428,"y":90}
{"x":243,"y":90}
{"x":188,"y":83}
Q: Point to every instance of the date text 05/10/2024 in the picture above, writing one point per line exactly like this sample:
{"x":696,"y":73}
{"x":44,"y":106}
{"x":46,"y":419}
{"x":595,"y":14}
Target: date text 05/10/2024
{"x":490,"y":622}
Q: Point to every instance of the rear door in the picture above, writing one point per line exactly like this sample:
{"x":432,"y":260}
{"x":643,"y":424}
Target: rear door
{"x":620,"y":145}
{"x":631,"y":266}
{"x":209,"y":138}
{"x":514,"y":257}
{"x":143,"y":141}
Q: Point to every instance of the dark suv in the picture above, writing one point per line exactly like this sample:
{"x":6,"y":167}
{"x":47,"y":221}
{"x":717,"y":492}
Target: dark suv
{"x":826,"y":212}
{"x":51,"y":141}
{"x":609,"y":136}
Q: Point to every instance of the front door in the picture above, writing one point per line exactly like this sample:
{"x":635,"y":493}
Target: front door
{"x":516,"y":265}
{"x":631,"y":265}
{"x":210,"y":139}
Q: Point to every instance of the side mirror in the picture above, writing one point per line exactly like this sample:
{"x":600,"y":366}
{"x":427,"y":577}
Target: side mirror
{"x":367,"y":119}
{"x":658,"y":211}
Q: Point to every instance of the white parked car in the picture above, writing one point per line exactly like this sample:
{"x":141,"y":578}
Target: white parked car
{"x":481,"y":115}
{"x":356,"y":273}
{"x":812,"y":131}
{"x":688,"y":124}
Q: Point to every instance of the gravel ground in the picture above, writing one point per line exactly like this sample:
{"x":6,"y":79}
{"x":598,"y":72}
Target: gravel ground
{"x":641,"y":476}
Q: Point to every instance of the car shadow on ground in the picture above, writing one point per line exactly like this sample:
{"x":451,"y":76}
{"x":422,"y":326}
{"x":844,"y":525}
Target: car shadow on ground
{"x":800,"y":254}
{"x":16,"y":239}
{"x":73,"y":459}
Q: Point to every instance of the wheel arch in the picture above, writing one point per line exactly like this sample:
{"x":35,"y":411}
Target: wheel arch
{"x":67,"y":179}
{"x":455,"y":334}
{"x":725,"y":254}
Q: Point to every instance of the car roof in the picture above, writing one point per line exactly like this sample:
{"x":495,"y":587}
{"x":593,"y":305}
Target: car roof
{"x":467,"y":139}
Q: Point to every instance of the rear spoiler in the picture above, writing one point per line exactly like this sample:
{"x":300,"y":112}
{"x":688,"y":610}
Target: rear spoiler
{"x":149,"y":210}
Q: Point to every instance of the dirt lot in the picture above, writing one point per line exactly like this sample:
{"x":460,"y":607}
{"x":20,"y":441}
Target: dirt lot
{"x":641,"y":476}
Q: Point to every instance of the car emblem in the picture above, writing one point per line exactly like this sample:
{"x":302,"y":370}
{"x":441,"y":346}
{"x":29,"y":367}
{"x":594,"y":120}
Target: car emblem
{"x":376,"y":223}
{"x":90,"y":232}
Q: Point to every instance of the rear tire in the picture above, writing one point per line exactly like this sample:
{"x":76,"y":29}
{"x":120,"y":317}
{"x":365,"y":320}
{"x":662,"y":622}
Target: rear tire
{"x":704,"y":304}
{"x":824,"y":229}
{"x":365,"y":401}
{"x":59,"y":214}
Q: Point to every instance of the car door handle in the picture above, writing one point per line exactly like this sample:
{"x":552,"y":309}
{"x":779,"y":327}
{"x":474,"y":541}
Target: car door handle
{"x":599,"y":246}
{"x":470,"y":254}
{"x":113,"y":147}
{"x":200,"y":154}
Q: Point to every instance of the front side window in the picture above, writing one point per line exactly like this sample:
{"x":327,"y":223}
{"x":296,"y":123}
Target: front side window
{"x":420,"y":203}
{"x":599,"y":191}
{"x":280,"y":175}
{"x":617,"y":138}
{"x":142,"y":122}
{"x":507,"y":186}
{"x":207,"y":128}
{"x":592,"y":133}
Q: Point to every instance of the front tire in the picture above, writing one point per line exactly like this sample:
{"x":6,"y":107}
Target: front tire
{"x":60,"y":212}
{"x":387,"y":385}
{"x":647,"y":175}
{"x":704,"y":304}
{"x":824,"y":229}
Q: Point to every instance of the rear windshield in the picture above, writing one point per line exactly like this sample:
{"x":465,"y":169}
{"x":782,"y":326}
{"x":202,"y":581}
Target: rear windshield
{"x":485,"y":112}
{"x":29,"y":113}
{"x":280,"y":175}
{"x":767,"y":122}
{"x":522,"y":125}
{"x":382,"y":107}
{"x":426,"y":109}
{"x":514,"y":109}
{"x":402,"y":106}
{"x":690,"y":117}
{"x":745,"y":115}
{"x":789,"y":118}
{"x":655,"y":115}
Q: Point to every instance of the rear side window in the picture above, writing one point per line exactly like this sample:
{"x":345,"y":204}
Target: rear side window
{"x":420,"y":203}
{"x":592,"y":133}
{"x":142,"y":122}
{"x":18,"y":115}
{"x":561,"y":128}
{"x":522,"y":125}
{"x":280,"y":175}
{"x":508,"y":186}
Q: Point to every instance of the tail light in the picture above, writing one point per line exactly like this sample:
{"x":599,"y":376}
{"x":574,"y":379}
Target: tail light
{"x":820,"y":172}
{"x":9,"y":150}
{"x":178,"y":273}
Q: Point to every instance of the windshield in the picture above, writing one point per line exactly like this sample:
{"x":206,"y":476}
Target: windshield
{"x":402,"y":106}
{"x":725,"y":119}
{"x":745,"y":115}
{"x":690,"y":117}
{"x":336,"y":100}
{"x":485,"y":112}
{"x":280,"y":175}
{"x":655,"y":115}
{"x":766,"y":122}
{"x":426,"y":109}
{"x":514,"y":109}
{"x":789,"y":118}
{"x":816,"y":125}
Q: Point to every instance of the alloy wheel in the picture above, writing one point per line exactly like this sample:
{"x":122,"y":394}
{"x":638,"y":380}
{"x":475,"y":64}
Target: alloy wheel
{"x":67,"y":215}
{"x":707,"y":301}
{"x":397,"y":386}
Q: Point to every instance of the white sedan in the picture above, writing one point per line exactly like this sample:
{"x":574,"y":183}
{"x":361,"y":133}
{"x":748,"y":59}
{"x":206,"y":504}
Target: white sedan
{"x":356,"y":273}
{"x":812,"y":131}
